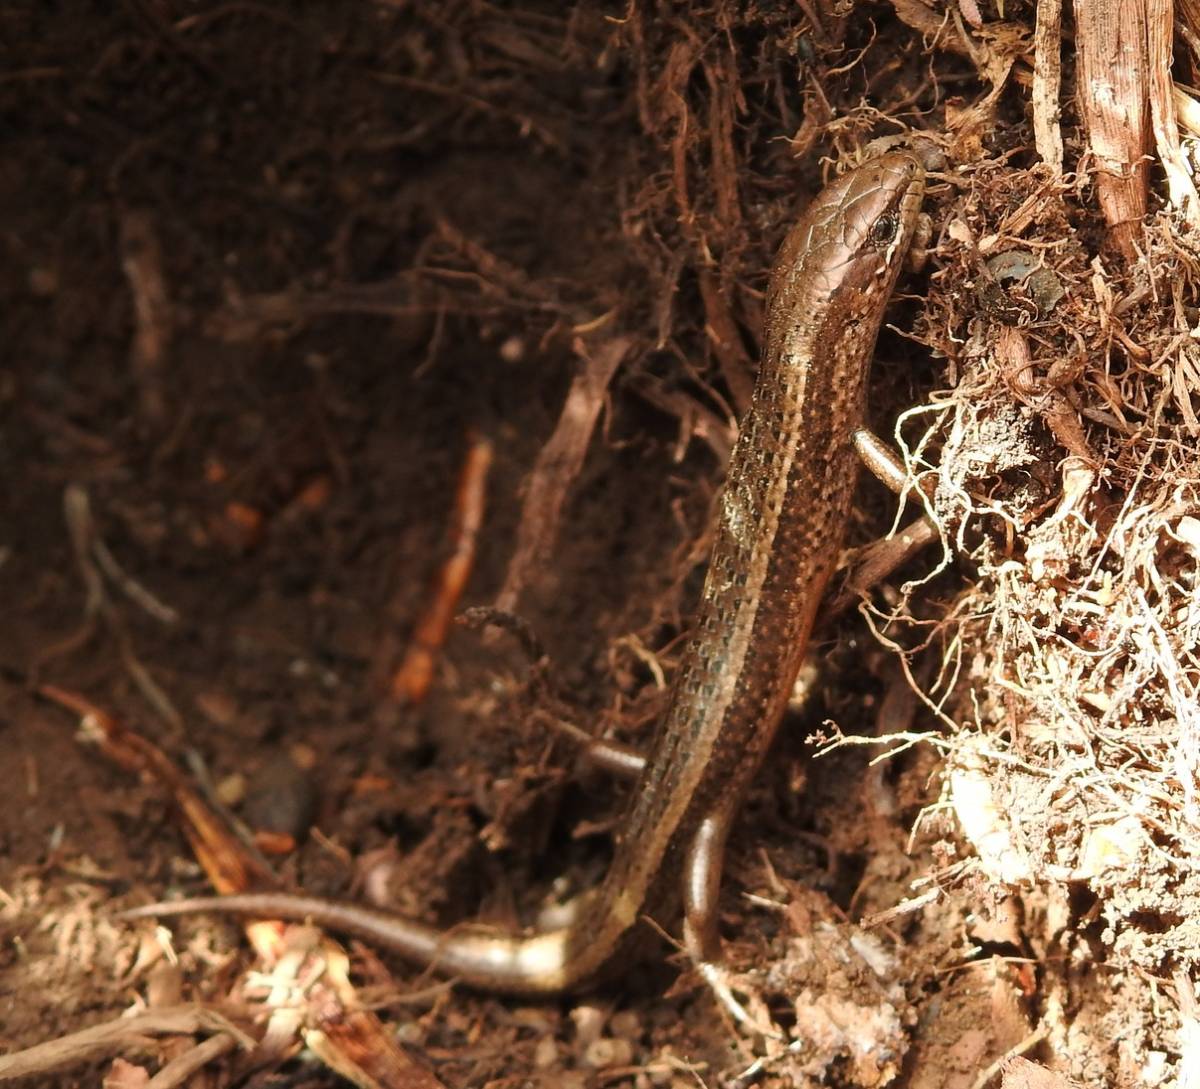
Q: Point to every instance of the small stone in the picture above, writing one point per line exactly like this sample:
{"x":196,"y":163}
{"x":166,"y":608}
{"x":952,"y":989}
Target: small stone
{"x":608,"y":1051}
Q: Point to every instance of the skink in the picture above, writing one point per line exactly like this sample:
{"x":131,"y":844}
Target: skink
{"x":785,"y":505}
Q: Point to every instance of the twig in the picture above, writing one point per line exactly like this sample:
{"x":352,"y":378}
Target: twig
{"x":111,"y":1037}
{"x":558,"y":465}
{"x":410,"y":683}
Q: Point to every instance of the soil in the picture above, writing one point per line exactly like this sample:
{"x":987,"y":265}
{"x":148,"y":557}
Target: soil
{"x":270,"y":270}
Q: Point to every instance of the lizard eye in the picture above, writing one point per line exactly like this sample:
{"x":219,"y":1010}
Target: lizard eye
{"x":883,"y":230}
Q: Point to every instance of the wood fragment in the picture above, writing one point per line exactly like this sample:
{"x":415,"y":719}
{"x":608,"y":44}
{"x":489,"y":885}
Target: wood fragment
{"x":347,"y":1040}
{"x":181,"y":1068}
{"x":558,"y":465}
{"x":1047,"y":84}
{"x":876,"y":561}
{"x":98,"y":1041}
{"x":939,"y":31}
{"x":1111,"y":37}
{"x":1180,"y":187}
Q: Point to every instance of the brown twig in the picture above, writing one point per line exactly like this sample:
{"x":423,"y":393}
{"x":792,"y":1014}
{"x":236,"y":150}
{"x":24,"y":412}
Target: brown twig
{"x":142,"y":261}
{"x":113,"y":1037}
{"x":558,"y":465}
{"x":411,"y":681}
